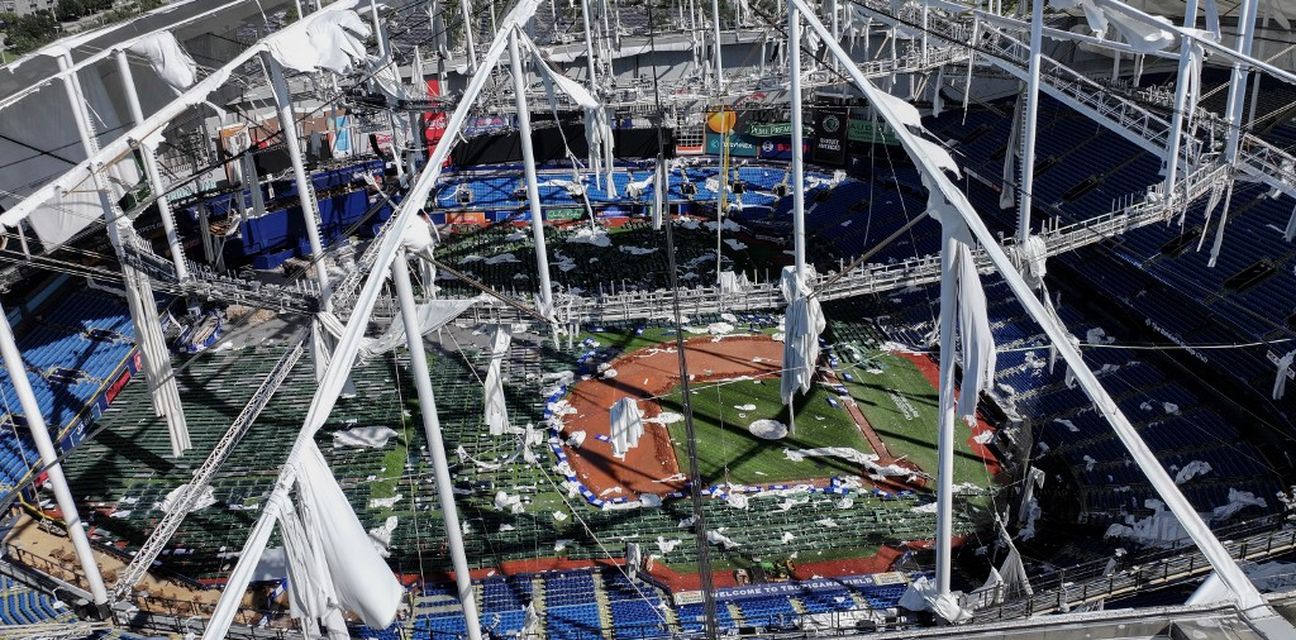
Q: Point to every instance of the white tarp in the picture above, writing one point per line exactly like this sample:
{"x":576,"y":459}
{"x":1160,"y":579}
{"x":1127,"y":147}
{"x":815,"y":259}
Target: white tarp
{"x":627,"y":425}
{"x":1008,"y":196}
{"x":497,"y":420}
{"x":977,"y":340}
{"x":311,"y":594}
{"x":1192,"y":470}
{"x":1093,"y":14}
{"x":974,"y":330}
{"x":44,"y":120}
{"x":1284,"y":369}
{"x":1141,"y":35}
{"x":731,"y":282}
{"x":803,"y":321}
{"x":343,"y":555}
{"x":578,"y":94}
{"x":167,"y":58}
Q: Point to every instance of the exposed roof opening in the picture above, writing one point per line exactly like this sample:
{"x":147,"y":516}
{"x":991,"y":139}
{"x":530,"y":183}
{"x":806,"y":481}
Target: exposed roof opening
{"x":1251,"y":275}
{"x":1178,"y":244}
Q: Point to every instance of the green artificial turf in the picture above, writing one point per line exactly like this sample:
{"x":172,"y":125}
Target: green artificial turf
{"x":727,"y":451}
{"x":625,"y":338}
{"x":901,"y":406}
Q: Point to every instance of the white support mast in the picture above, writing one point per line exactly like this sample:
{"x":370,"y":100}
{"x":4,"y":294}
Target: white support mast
{"x":309,"y":206}
{"x":798,"y":142}
{"x":49,"y":461}
{"x":719,"y":65}
{"x":149,"y":157}
{"x":436,"y":445}
{"x":945,"y":433}
{"x":1253,"y":606}
{"x":1237,"y":86}
{"x":305,"y":189}
{"x":164,"y":394}
{"x":1180,"y":100}
{"x":529,"y":167}
{"x":1025,"y":199}
{"x":593,"y":81}
{"x":470,"y":49}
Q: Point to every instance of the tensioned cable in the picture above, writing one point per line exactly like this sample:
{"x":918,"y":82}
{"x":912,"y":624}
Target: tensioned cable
{"x":695,"y":489}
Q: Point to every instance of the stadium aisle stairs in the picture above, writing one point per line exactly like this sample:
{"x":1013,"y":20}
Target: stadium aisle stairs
{"x":604,"y":604}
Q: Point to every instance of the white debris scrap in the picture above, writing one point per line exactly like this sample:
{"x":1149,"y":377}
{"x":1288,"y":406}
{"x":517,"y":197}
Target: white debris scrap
{"x":596,"y":236}
{"x":381,"y":536}
{"x":718,"y":538}
{"x":202,"y":501}
{"x":363,"y":437}
{"x":506,"y":502}
{"x":384,"y":503}
{"x":1193,"y":469}
{"x":667,"y":546}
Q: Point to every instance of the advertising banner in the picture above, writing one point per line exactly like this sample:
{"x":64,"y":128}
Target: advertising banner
{"x":829,"y":136}
{"x":868,"y":131}
{"x":721,"y":129}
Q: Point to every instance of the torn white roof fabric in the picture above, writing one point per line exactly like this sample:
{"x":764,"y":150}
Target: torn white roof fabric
{"x":332,"y":41}
{"x":496,"y":407}
{"x":167,"y":58}
{"x":432,"y":315}
{"x":922,"y":595}
{"x":1284,"y":370}
{"x":803,"y":321}
{"x":361,"y":580}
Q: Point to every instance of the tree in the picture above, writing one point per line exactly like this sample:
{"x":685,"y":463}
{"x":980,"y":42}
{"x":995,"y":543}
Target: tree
{"x":68,"y":10}
{"x":24,"y":33}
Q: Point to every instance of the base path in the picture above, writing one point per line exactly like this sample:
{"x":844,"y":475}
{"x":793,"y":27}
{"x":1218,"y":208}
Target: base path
{"x":650,"y":373}
{"x":980,"y":431}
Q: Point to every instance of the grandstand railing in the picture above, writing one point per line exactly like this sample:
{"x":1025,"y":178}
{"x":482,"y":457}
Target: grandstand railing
{"x":183,"y":617}
{"x":1135,"y":211}
{"x":49,"y":575}
{"x":1093,"y":582}
{"x":1118,"y":108}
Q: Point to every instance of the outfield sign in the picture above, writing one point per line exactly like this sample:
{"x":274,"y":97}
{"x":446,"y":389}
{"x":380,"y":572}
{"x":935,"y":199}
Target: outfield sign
{"x":564,"y":213}
{"x":869,"y":131}
{"x":774,"y":129}
{"x":793,"y":589}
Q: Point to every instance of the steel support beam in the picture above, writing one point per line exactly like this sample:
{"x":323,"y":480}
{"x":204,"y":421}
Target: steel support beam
{"x":1180,"y":101}
{"x":798,"y":140}
{"x":436,"y":444}
{"x":529,"y":168}
{"x":1025,"y":198}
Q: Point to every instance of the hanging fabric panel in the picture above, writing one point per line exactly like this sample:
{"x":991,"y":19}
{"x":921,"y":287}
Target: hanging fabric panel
{"x":496,"y":408}
{"x":361,"y":580}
